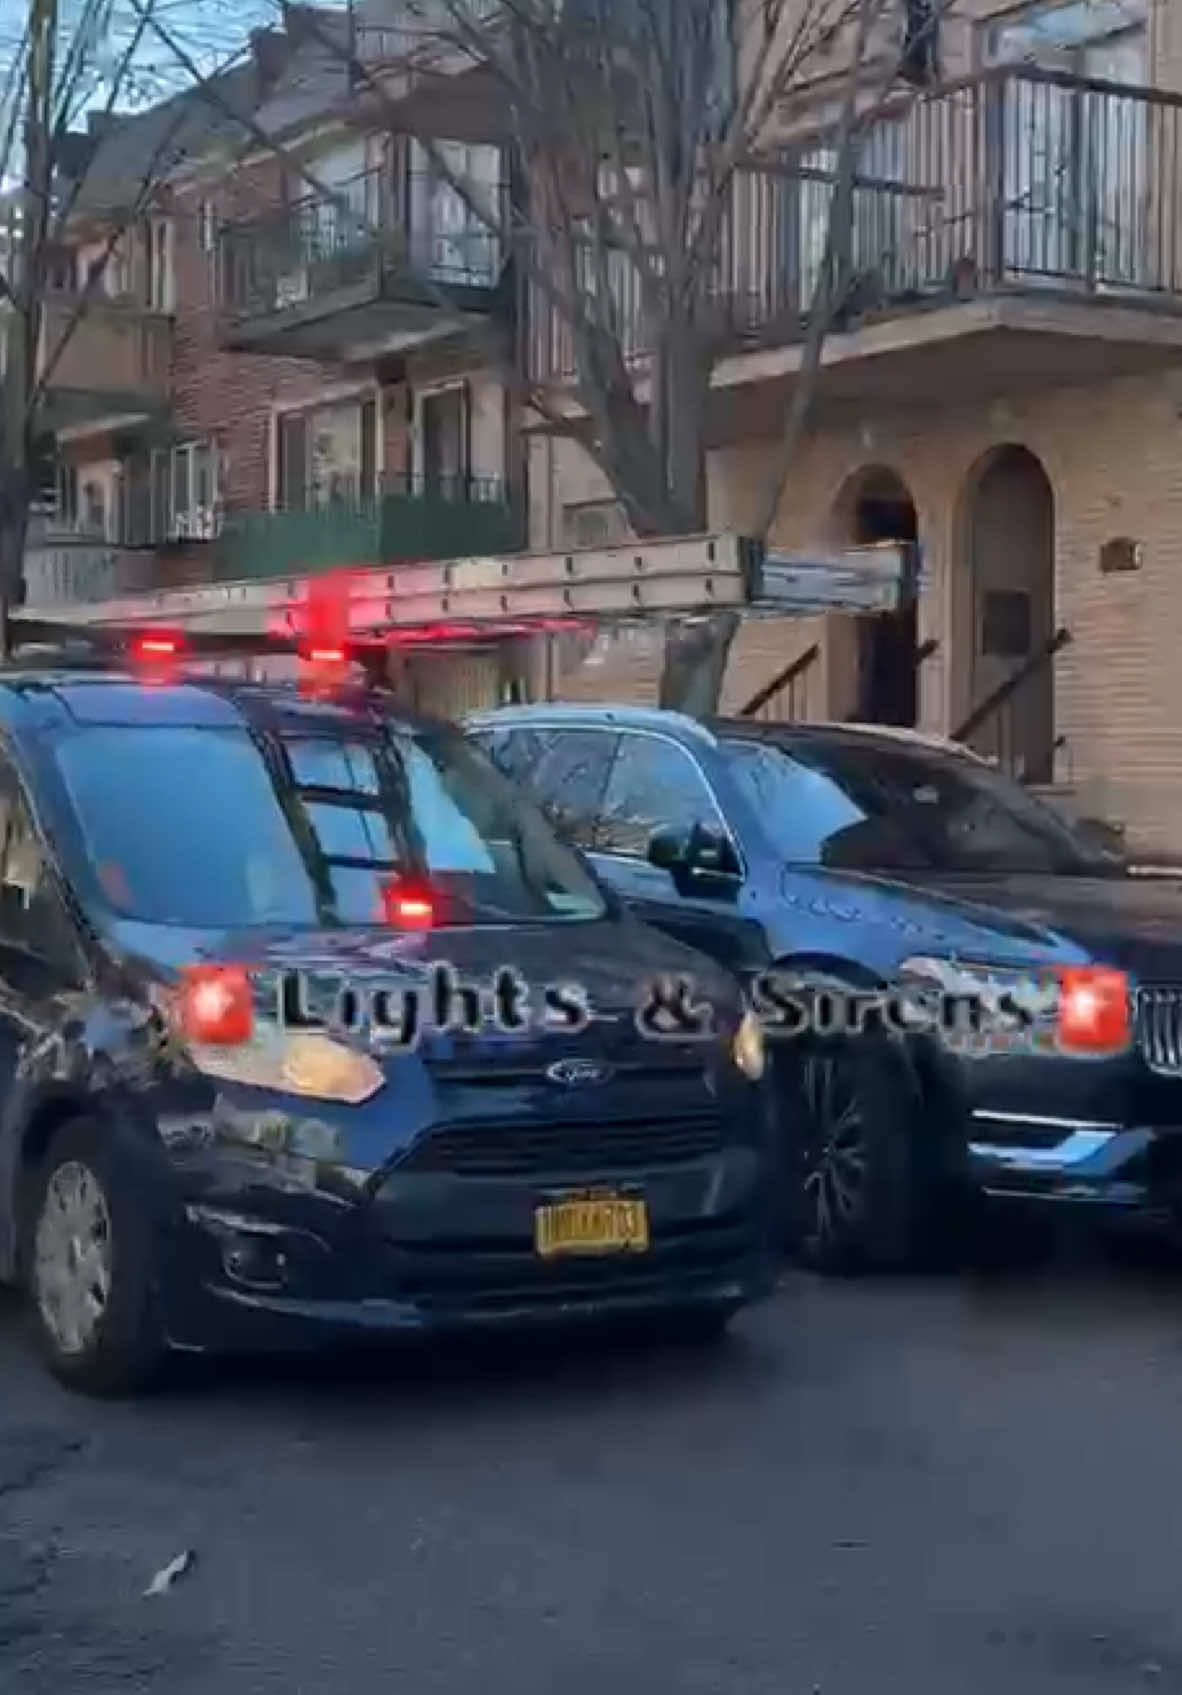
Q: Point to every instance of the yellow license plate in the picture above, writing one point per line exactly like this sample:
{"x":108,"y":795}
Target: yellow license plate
{"x":591,"y":1224}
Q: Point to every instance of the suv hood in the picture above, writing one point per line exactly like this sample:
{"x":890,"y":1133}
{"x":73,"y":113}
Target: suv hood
{"x":1132,"y":922}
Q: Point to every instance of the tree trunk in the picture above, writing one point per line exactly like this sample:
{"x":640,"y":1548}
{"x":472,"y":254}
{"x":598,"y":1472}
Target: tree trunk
{"x":696,"y":649}
{"x":695,"y":661}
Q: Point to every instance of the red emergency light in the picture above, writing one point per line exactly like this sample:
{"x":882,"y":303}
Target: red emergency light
{"x":216,"y":1005}
{"x":408,"y":906}
{"x":156,"y":653}
{"x":156,"y":647}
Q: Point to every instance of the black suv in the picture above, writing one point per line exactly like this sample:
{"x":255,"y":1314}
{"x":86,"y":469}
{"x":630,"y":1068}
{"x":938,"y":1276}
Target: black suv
{"x":204,"y":1143}
{"x":865,"y":858}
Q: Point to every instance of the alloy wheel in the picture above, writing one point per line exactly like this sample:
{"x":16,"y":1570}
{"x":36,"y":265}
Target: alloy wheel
{"x":72,"y":1257}
{"x":836,"y":1165}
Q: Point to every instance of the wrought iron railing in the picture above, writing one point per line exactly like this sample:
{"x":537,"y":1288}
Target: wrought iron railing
{"x":783,"y":700}
{"x":997,"y":721}
{"x":407,"y":230}
{"x":1016,"y":179}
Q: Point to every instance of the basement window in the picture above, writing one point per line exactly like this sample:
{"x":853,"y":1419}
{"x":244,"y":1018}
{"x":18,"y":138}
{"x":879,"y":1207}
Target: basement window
{"x":598,"y":523}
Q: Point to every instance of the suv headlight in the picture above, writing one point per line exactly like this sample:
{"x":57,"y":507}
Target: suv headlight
{"x":295,"y":1062}
{"x":1018,"y":997}
{"x":972,"y":977}
{"x":749,"y":1047}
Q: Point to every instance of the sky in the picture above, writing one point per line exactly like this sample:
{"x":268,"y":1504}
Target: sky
{"x":209,"y":32}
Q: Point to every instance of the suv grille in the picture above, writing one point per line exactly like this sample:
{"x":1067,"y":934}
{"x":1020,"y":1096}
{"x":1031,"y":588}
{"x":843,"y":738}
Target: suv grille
{"x":1159,"y":1028}
{"x":517,"y":1149}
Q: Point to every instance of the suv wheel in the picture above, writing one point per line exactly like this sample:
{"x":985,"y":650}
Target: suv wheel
{"x":87,"y":1268}
{"x":853,"y":1174}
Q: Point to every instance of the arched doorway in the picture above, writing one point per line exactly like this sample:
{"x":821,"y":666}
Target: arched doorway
{"x":1010,"y":532}
{"x":875,"y":505}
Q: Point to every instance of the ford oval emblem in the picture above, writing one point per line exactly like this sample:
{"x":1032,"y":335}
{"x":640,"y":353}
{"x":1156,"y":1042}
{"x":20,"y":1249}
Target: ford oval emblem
{"x":579,"y":1073}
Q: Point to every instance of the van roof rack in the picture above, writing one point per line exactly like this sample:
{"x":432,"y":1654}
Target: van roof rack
{"x":85,"y":646}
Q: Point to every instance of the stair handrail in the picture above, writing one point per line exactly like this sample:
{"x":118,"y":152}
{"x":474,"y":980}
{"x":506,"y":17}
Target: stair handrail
{"x":1009,"y":685}
{"x":781,"y":681}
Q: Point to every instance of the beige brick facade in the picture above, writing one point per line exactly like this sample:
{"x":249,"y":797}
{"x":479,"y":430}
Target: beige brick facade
{"x":1113,"y":456}
{"x":1111,"y":449}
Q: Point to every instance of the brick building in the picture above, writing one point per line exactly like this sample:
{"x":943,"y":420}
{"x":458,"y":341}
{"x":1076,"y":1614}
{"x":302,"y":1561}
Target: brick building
{"x":285,"y":367}
{"x":1010,"y":397}
{"x":1004,"y":389}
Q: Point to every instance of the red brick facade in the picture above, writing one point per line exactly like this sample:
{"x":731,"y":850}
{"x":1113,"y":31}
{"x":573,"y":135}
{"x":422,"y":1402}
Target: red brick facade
{"x":229,"y":396}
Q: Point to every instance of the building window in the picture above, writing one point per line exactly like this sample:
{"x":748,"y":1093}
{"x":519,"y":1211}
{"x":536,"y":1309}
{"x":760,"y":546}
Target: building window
{"x":67,"y":496}
{"x":455,"y":237}
{"x":161,"y":295}
{"x":184,"y":492}
{"x":205,"y":226}
{"x":444,"y":441}
{"x":1090,"y":38}
{"x":94,"y":508}
{"x":327,"y":456}
{"x":921,"y":42}
{"x":594,"y":523}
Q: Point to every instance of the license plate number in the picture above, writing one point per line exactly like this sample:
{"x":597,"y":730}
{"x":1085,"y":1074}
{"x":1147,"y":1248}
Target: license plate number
{"x":591,"y":1224}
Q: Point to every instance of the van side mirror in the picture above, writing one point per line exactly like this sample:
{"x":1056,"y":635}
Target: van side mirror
{"x":667,"y":850}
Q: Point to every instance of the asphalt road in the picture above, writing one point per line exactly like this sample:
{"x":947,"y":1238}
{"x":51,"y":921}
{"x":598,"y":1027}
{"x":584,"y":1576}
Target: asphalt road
{"x":944,"y":1487}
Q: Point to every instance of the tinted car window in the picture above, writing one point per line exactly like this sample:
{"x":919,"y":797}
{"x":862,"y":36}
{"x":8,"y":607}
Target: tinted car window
{"x":865,"y":806}
{"x":205,"y":828}
{"x":515,"y":752}
{"x":568,"y":780}
{"x":654,"y":785}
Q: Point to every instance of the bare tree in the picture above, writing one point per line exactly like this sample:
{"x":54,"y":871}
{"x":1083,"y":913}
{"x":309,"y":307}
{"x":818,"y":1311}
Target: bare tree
{"x":654,"y":140}
{"x":70,"y":60}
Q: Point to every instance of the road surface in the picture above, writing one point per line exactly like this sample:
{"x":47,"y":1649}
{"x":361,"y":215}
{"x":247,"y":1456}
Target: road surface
{"x":950,"y":1486}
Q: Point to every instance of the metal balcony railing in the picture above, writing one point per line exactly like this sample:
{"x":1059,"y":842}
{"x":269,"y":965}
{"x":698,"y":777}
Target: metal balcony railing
{"x":1017,"y":179}
{"x":408,"y":230}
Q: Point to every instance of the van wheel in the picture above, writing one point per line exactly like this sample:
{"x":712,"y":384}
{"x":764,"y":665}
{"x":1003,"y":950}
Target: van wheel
{"x":88,"y":1268}
{"x":854,"y":1180}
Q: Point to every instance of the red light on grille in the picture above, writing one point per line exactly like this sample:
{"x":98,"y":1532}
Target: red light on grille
{"x":413,"y":912}
{"x":216,"y":1005}
{"x":408,"y":907}
{"x":326,"y":656}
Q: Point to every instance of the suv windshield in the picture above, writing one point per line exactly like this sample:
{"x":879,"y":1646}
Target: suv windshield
{"x":222,"y":829}
{"x":869,"y":807}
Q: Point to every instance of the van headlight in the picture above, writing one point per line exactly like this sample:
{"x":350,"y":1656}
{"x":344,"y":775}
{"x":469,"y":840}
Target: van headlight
{"x":294,"y":1062}
{"x":749,"y":1047}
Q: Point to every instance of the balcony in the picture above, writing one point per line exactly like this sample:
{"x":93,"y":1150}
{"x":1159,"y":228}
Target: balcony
{"x":104,"y":359}
{"x":409,"y":520}
{"x":1017,"y":229}
{"x":378,"y":267}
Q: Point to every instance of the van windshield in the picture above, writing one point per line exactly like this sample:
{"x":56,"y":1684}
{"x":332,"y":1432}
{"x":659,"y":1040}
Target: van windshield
{"x":223,"y":829}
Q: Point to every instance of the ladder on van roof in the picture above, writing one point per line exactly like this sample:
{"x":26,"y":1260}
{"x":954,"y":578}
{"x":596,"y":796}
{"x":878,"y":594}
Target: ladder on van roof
{"x":458,"y":601}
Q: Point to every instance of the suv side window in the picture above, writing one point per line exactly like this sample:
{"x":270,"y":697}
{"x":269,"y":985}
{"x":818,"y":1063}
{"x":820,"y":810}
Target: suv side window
{"x":515,"y":753}
{"x":568,"y":781}
{"x":654,"y":785}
